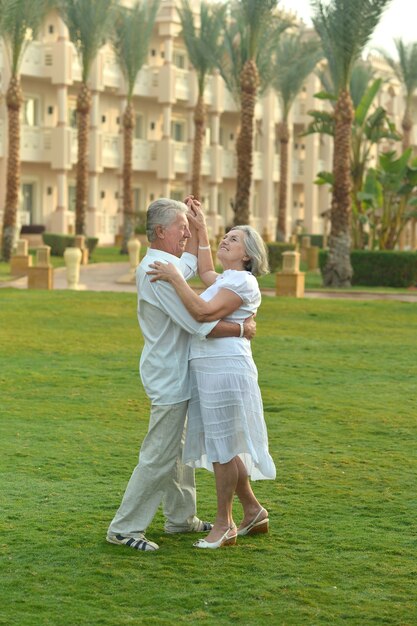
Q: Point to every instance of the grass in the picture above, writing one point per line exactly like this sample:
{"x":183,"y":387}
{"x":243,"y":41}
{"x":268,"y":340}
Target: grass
{"x":338,"y":382}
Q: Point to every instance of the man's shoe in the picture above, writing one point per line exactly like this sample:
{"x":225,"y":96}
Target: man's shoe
{"x":137,"y":543}
{"x":198,"y":526}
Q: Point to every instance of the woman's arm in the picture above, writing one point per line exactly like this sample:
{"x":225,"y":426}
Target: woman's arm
{"x":197,"y":219}
{"x":222,"y":305}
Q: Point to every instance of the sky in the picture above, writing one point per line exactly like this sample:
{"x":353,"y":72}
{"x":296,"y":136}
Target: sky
{"x":397,"y":21}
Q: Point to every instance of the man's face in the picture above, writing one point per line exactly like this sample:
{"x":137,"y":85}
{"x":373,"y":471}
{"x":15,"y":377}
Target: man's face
{"x":175,"y":236}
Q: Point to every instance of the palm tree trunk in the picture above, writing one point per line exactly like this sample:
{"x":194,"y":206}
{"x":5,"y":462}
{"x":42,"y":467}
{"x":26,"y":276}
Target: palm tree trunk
{"x":199,"y":125}
{"x":338,"y":270}
{"x":244,"y":146}
{"x":128,"y":216}
{"x":284,"y":137}
{"x":14,"y":101}
{"x":83,"y":121}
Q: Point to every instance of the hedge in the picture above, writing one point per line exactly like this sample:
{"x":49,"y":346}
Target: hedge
{"x":315,"y":240}
{"x":275,"y":250}
{"x":58,"y":243}
{"x":380,"y":268}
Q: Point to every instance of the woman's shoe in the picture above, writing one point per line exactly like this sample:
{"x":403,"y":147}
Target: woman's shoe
{"x":256,"y":527}
{"x":225,"y":540}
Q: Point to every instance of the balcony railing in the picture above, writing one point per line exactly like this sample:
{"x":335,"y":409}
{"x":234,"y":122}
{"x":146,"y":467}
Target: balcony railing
{"x":111,"y":150}
{"x":181,"y":157}
{"x":36,"y":144}
{"x":229,"y":164}
{"x":144,"y":155}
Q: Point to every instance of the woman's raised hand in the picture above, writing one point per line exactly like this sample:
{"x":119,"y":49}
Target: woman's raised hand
{"x":195,"y":213}
{"x":163,"y":271}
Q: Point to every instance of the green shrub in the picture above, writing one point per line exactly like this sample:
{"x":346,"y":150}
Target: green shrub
{"x":275,"y":250}
{"x":380,"y":268}
{"x":58,"y":243}
{"x":316,"y":240}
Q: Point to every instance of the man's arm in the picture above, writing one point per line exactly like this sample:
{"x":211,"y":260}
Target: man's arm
{"x":233,"y":329}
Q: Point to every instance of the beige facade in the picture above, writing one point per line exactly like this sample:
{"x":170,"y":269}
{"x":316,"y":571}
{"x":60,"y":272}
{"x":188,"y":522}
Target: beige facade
{"x":164,"y":96}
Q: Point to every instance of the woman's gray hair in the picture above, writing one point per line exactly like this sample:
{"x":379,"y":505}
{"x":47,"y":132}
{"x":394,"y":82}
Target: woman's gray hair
{"x":162,"y":212}
{"x":256,"y":250}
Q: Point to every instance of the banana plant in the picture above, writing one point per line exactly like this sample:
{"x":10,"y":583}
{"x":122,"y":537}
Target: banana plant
{"x":371,"y":124}
{"x":389,"y":198}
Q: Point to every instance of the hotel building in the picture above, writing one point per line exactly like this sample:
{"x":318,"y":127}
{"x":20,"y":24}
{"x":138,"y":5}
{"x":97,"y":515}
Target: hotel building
{"x":164,"y":96}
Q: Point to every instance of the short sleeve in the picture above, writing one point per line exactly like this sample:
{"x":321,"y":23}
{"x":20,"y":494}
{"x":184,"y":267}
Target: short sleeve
{"x":242,"y":283}
{"x":188,"y":265}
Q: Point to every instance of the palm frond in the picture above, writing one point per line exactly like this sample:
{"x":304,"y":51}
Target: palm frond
{"x":131,"y":36}
{"x":405,"y":68}
{"x":295,"y":59}
{"x":345,"y":27}
{"x":89,"y":23}
{"x":203,"y":43}
{"x":19,"y":24}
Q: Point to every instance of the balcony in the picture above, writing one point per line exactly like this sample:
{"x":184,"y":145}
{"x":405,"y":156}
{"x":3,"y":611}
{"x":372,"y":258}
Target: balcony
{"x":38,"y":60}
{"x":182,"y":84}
{"x":147,"y":82}
{"x":144,"y":155}
{"x":297,"y":170}
{"x":111,"y":146}
{"x":112,"y":76}
{"x":229,"y":164}
{"x":36,"y":144}
{"x":181,"y":157}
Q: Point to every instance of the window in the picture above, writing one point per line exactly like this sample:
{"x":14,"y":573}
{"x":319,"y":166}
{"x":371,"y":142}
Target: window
{"x":178,"y":195}
{"x":139,"y":127}
{"x":30,"y":111}
{"x":71,"y":197}
{"x":72,"y":113}
{"x":178,"y":130}
{"x":137,"y":200}
{"x":179,"y":59}
{"x":28,"y":203}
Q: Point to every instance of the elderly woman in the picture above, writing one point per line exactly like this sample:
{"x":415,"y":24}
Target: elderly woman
{"x":226,"y":430}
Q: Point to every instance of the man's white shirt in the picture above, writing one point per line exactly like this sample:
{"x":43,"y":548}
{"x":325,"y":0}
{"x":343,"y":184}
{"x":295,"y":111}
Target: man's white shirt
{"x":167,"y":328}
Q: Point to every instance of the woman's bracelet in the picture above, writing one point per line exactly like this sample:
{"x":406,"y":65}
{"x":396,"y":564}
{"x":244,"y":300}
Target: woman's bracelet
{"x":204,"y":247}
{"x":242,"y":329}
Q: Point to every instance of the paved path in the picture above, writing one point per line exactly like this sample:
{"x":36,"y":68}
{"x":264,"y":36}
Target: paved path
{"x":116,"y":277}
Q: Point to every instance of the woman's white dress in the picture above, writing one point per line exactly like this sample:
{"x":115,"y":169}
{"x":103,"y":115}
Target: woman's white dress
{"x":225,"y":413}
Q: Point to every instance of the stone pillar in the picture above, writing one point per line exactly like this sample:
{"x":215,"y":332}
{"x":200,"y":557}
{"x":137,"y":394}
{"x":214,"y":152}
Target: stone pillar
{"x":312,"y":258}
{"x":72,"y":257}
{"x":79,"y":242}
{"x":21,"y":260}
{"x":40,"y":276}
{"x":290,"y":282}
{"x":305,"y":244}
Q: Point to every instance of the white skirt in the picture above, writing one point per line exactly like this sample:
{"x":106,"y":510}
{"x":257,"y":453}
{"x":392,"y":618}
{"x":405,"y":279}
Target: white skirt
{"x":225,"y":416}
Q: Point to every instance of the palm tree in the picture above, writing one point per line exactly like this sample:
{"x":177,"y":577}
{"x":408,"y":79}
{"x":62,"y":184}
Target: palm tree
{"x":255,"y":16}
{"x":88,"y":23}
{"x":19,"y":23}
{"x":244,"y":60}
{"x":200,"y":44}
{"x":371,"y":124}
{"x":406,"y":71}
{"x":130,"y":39}
{"x":344,"y":28}
{"x":296,"y":58}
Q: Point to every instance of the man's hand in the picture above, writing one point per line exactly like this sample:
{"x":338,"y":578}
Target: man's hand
{"x":249,"y":326}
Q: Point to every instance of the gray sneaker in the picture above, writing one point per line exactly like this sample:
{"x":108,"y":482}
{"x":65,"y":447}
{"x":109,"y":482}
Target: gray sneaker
{"x":139,"y":542}
{"x":198,"y":526}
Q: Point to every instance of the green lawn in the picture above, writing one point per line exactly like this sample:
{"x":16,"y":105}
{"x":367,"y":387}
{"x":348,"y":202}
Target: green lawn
{"x":339,"y":387}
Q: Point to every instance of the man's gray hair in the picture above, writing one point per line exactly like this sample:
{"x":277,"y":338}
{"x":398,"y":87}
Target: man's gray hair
{"x":255,"y":249}
{"x":162,"y":212}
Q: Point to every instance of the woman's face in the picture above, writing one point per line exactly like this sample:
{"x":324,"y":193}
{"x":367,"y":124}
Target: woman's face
{"x":231,"y":252}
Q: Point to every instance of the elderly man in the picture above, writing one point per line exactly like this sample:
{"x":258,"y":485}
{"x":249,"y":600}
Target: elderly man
{"x":160,"y":475}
